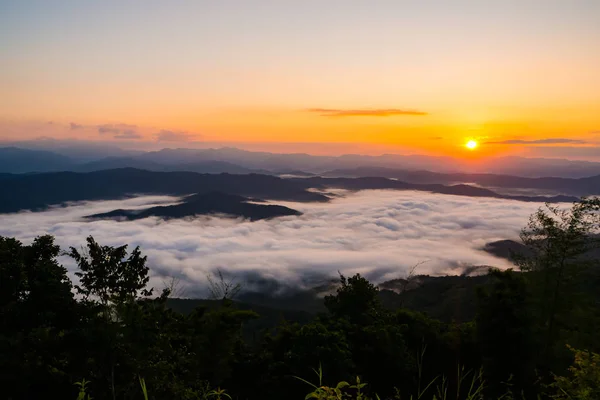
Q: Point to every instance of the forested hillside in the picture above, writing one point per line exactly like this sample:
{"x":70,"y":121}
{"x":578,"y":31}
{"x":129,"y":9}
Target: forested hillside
{"x":531,"y":332}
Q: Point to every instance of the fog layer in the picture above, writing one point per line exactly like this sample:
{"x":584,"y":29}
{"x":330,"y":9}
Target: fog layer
{"x":380,"y":234}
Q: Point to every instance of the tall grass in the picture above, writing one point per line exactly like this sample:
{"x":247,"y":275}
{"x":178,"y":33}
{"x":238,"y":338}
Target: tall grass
{"x":470,"y":381}
{"x":206,"y":394}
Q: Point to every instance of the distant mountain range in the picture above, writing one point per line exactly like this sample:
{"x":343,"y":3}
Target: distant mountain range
{"x":82,"y":159}
{"x":15,"y":160}
{"x":205,"y":167}
{"x":202,"y":204}
{"x":569,"y":186}
{"x":38,"y":191}
{"x":385,"y":183}
{"x":35,"y":179}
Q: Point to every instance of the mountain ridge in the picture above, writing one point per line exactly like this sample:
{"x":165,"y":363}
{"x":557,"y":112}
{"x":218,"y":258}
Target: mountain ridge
{"x":170,"y":159}
{"x":204,"y":204}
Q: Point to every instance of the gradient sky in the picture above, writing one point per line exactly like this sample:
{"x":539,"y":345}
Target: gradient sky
{"x":406,"y":76}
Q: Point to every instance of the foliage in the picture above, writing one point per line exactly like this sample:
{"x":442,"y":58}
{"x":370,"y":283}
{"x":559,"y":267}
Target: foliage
{"x":562,"y":244}
{"x":83,"y":387}
{"x":343,"y":390}
{"x":583,"y":382}
{"x":109,"y":275}
{"x":505,"y":332}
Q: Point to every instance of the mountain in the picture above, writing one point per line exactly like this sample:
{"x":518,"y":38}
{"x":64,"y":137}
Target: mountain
{"x":91,"y":156}
{"x":38,"y":191}
{"x":507,"y":248}
{"x":385,"y":183}
{"x":294,"y":161}
{"x":206,"y":203}
{"x":205,"y":167}
{"x":16,"y":160}
{"x":537,"y":167}
{"x":80,"y":151}
{"x":118,"y":162}
{"x":520,"y":166}
{"x":571,"y":186}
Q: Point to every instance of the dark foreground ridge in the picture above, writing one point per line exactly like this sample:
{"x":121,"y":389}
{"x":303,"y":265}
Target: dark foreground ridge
{"x":203,"y":204}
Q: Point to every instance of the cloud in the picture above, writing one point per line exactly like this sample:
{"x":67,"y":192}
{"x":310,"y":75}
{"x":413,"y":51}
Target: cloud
{"x":436,"y":138}
{"x":380,"y":112}
{"x":128,"y":134}
{"x":115,"y":128}
{"x":380,"y":234}
{"x":75,"y":126}
{"x":540,"y":141}
{"x":119,"y":131}
{"x":173,"y":136}
{"x":108,"y":129}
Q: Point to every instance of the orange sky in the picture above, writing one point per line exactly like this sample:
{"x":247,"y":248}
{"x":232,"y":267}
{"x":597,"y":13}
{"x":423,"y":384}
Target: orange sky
{"x":382,"y":76}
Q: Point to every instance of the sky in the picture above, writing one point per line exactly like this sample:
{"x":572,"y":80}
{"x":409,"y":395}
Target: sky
{"x":380,"y":234}
{"x":374,"y":76}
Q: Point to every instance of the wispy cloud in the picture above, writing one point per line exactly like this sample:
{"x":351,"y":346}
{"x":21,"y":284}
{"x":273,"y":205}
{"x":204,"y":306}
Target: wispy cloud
{"x":378,"y":112}
{"x":115,"y":128}
{"x":75,"y":126}
{"x":128,"y":134}
{"x":119,"y":131}
{"x":173,"y":136}
{"x":380,"y":234}
{"x":540,"y":141}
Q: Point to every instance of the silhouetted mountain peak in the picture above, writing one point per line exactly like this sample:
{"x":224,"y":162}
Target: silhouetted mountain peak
{"x":204,"y":204}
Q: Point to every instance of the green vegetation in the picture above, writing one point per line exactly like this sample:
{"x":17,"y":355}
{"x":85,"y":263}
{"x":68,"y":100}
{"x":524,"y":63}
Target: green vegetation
{"x":532,"y":334}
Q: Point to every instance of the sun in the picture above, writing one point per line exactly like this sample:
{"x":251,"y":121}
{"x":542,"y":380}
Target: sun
{"x":471,"y":145}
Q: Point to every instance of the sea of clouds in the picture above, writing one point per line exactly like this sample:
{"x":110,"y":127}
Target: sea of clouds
{"x":381,"y":234}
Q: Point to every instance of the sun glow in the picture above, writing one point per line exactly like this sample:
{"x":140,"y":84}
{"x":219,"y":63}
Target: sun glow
{"x":471,"y":145}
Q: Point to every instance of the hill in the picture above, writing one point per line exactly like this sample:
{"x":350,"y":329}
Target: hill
{"x":201,"y":204}
{"x":204,"y":167}
{"x":448,"y":298}
{"x":531,"y":167}
{"x":16,"y":160}
{"x":570,"y":186}
{"x":385,"y":183}
{"x":38,"y":191}
{"x":508,"y":248}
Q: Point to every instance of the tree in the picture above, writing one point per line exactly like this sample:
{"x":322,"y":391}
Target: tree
{"x":505,"y":332}
{"x":113,"y":280}
{"x":376,"y":340}
{"x":107,"y":274}
{"x":222,"y":288}
{"x":561,"y":242}
{"x":355,"y":299}
{"x":37,"y":310}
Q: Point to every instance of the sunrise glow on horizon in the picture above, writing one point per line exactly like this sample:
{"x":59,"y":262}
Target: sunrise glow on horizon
{"x":336,"y":77}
